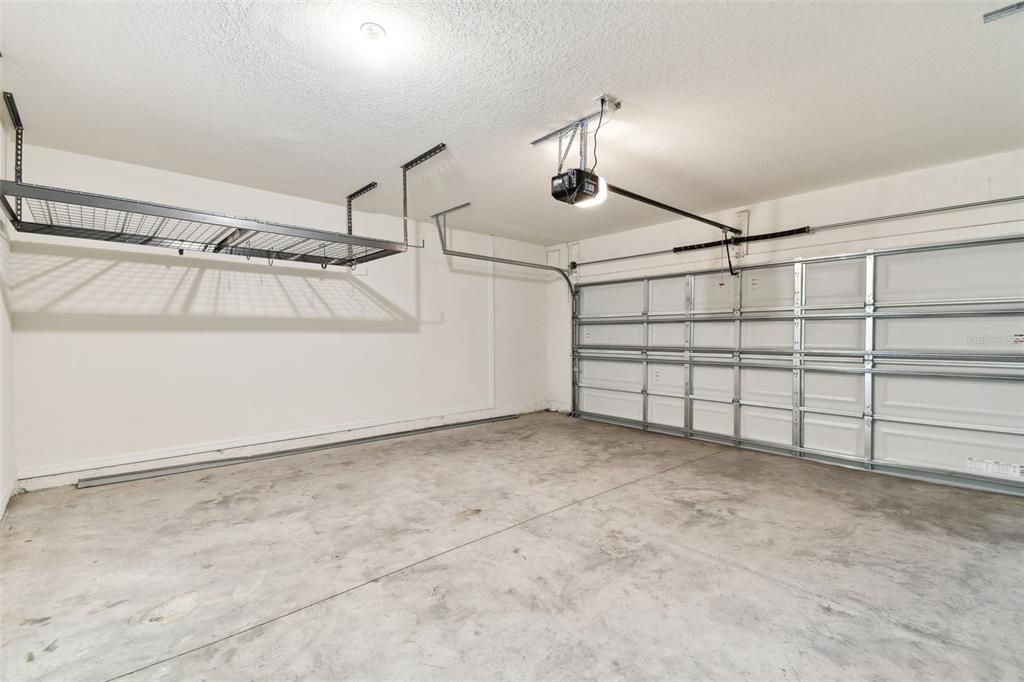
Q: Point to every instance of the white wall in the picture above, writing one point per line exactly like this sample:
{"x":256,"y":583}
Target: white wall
{"x":8,"y":468}
{"x":973,"y":180}
{"x":126,"y":354}
{"x":7,"y":463}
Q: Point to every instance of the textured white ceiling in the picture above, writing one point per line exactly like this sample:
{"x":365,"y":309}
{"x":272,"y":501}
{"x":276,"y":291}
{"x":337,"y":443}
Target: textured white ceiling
{"x":724,"y":103}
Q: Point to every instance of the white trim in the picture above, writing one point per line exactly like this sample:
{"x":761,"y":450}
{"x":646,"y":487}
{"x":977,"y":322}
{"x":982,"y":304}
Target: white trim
{"x":265,"y":442}
{"x":60,"y":478}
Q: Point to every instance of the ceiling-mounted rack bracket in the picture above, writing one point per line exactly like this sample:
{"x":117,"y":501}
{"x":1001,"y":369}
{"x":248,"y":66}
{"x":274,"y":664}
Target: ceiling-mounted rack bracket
{"x":406,"y":167}
{"x":441,"y":221}
{"x":19,"y":147}
{"x":430,"y":153}
{"x":355,"y":195}
{"x":348,"y":207}
{"x":12,"y":110}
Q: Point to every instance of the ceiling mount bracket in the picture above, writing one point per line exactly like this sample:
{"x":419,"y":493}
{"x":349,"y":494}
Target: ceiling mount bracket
{"x":406,"y":167}
{"x":348,"y":207}
{"x":19,"y":144}
{"x":610,"y":104}
{"x":355,"y":195}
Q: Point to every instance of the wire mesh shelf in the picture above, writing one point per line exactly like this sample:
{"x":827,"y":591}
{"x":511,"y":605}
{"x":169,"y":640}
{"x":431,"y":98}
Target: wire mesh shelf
{"x":67,"y":213}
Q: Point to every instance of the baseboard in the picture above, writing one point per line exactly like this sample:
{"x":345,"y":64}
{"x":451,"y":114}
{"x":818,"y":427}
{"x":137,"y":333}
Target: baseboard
{"x":39,"y":479}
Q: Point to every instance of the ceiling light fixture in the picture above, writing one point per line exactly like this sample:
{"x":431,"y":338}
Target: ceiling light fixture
{"x":372,"y":31}
{"x":597,"y":199}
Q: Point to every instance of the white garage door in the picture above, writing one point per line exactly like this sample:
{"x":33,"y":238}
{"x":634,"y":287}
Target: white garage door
{"x":909,"y":361}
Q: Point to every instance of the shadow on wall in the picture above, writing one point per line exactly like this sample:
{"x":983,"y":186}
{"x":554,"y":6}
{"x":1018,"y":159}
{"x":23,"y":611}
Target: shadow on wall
{"x":59,"y":287}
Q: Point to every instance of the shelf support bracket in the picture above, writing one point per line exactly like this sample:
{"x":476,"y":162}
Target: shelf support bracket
{"x":348,"y":209}
{"x":19,"y":144}
{"x":355,"y":195}
{"x":406,"y":167}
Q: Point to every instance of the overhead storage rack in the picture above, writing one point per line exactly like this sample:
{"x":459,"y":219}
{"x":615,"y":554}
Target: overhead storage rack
{"x":66,"y":213}
{"x":60,"y":212}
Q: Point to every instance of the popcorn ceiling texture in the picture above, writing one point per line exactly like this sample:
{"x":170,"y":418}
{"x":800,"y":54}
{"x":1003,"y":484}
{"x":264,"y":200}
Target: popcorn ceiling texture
{"x":725,"y":104}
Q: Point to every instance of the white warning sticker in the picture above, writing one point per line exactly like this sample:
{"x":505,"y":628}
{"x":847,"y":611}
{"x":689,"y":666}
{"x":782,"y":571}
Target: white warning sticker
{"x":991,"y":467}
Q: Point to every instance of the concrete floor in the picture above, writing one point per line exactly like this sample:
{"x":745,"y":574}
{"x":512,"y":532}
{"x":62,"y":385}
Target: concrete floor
{"x":544,"y":547}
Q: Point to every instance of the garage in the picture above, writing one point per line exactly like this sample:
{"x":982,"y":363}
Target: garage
{"x":443,"y":340}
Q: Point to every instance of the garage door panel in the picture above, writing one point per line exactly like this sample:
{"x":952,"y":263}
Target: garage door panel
{"x":712,"y":417}
{"x":712,"y":382}
{"x":835,"y":435}
{"x":714,"y":334}
{"x":612,"y":334}
{"x":768,"y":288}
{"x":767,"y":425}
{"x":667,"y":379}
{"x":834,"y":334}
{"x":668,"y":296}
{"x":834,"y":283}
{"x":988,"y":271}
{"x":714,"y":293}
{"x":962,"y":401}
{"x":626,"y":298}
{"x":953,"y":449}
{"x":767,"y":386}
{"x":668,"y":334}
{"x":834,"y":391}
{"x":625,"y":376}
{"x":666,"y":411}
{"x":775,"y":335}
{"x":611,"y":403}
{"x":988,"y":334}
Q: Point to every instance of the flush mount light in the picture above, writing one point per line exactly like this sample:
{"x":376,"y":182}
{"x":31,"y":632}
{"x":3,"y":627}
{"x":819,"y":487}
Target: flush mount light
{"x":372,"y":31}
{"x":597,"y":199}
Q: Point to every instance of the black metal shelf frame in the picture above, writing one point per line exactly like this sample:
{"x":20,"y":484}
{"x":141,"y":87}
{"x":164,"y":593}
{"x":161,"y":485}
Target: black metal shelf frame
{"x":66,"y":213}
